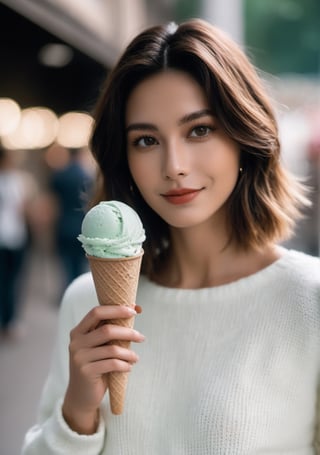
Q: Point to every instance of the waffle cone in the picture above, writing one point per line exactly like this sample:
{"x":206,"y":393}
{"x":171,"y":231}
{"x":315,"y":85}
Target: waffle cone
{"x":116,"y":282}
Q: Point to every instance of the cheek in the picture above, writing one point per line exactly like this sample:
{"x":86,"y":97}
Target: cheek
{"x":140,"y":170}
{"x":228,"y":161}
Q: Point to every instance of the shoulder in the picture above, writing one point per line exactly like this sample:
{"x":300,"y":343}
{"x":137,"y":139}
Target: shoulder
{"x":81,"y":288}
{"x":301,"y":256}
{"x":303,"y":266}
{"x":300,"y":281}
{"x":80,"y":296}
{"x":299,"y":273}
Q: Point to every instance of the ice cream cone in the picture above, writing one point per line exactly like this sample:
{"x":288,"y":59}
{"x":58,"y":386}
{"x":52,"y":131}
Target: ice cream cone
{"x":116,"y":282}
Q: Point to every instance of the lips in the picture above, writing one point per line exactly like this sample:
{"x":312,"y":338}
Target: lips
{"x":181,"y":195}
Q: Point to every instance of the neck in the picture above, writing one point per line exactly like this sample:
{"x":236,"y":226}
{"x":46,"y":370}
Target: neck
{"x":203,"y":257}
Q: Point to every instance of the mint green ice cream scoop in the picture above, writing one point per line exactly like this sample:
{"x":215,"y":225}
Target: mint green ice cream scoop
{"x":112,"y":229}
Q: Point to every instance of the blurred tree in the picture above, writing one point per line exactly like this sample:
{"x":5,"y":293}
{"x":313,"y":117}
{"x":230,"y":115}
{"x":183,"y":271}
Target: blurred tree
{"x":186,"y":9}
{"x":283,"y":36}
{"x":177,"y":10}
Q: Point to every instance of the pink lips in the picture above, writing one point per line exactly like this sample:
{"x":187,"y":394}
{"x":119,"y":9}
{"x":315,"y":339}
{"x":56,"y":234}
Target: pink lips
{"x":181,"y":195}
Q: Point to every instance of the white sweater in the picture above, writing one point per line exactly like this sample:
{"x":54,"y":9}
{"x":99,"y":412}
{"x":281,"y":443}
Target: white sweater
{"x":227,"y":370}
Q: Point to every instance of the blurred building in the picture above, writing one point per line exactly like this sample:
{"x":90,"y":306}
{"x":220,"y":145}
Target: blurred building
{"x":55,"y":53}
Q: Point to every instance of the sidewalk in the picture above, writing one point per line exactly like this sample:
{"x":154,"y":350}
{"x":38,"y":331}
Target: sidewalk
{"x":24,"y":362}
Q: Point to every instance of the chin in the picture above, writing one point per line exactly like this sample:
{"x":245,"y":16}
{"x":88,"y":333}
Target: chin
{"x":194,"y":218}
{"x":184,"y":222}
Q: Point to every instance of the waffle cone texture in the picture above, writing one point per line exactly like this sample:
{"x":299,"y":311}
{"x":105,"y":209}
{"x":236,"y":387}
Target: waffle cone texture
{"x":116,"y":283}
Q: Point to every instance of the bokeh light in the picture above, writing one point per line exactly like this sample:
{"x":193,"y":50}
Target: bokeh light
{"x":10,"y":114}
{"x":37,"y":129}
{"x":74,"y":129}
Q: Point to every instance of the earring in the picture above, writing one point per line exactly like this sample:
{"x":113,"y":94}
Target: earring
{"x":240,"y":170}
{"x":132,"y":190}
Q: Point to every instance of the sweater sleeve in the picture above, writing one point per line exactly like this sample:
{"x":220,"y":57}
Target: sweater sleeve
{"x":316,"y":441}
{"x":51,"y":435}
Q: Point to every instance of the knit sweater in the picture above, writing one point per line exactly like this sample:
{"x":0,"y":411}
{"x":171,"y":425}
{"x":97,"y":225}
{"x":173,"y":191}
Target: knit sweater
{"x":226,"y":370}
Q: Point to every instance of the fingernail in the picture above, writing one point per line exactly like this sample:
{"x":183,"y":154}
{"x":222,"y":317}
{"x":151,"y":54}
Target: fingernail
{"x":132,"y":311}
{"x":138,"y":309}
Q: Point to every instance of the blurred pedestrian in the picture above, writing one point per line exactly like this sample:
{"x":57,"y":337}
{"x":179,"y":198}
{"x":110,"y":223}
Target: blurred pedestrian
{"x":13,"y":239}
{"x":69,"y":185}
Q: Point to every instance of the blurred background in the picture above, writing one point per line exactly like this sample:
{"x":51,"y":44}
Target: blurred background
{"x":54,"y":57}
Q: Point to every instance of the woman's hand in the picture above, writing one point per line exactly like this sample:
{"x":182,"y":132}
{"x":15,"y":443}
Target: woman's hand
{"x":91,"y":358}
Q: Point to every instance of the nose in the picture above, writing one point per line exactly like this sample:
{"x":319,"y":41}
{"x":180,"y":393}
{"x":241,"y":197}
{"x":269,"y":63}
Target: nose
{"x":175,"y":161}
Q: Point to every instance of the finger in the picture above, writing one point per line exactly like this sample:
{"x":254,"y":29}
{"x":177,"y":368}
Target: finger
{"x":109,"y":352}
{"x":102,"y":313}
{"x":107,"y":366}
{"x":110,"y":332}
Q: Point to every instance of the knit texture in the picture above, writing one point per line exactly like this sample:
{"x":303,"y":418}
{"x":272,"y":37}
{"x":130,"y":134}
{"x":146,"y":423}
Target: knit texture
{"x":227,"y":370}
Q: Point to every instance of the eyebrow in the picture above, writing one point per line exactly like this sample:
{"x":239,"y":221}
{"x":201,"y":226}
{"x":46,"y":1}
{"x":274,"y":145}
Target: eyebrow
{"x":195,"y":115}
{"x":185,"y":119}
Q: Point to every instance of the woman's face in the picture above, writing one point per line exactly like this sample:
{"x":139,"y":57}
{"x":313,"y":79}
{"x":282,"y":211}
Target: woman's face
{"x":183,"y":164}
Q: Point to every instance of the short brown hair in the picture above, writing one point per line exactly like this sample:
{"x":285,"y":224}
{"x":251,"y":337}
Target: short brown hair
{"x":267,"y":199}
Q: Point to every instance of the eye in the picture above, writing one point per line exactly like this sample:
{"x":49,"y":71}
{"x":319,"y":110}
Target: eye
{"x":201,"y":131}
{"x":145,"y":141}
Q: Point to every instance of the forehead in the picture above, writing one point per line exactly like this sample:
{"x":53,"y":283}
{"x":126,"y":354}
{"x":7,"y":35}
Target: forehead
{"x":170,"y":92}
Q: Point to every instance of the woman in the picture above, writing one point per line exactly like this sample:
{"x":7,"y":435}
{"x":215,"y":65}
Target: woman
{"x":185,"y":134}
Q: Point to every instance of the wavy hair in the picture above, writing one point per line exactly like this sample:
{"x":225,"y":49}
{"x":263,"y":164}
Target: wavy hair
{"x":267,"y":199}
